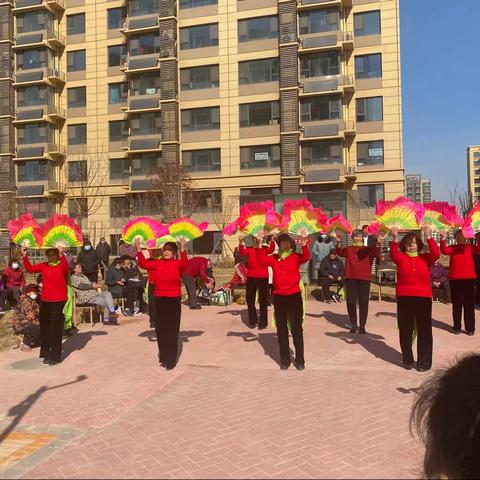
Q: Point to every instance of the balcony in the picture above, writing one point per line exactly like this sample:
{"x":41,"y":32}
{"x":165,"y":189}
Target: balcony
{"x":322,"y":41}
{"x":45,"y":113}
{"x":140,"y":24}
{"x":311,"y":4}
{"x":144,"y":143}
{"x":39,"y":151}
{"x":327,"y":85}
{"x":143,"y":103}
{"x":32,"y":76}
{"x":42,"y":38}
{"x":53,"y":6}
{"x":40,"y":188}
{"x":327,"y":129}
{"x":142,"y":63}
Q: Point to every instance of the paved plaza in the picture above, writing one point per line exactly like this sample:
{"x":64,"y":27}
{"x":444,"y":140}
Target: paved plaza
{"x":226,"y":411}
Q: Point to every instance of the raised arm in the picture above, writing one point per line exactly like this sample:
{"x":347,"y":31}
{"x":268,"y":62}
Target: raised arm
{"x":444,"y":248}
{"x":183,"y":256}
{"x":31,"y":268}
{"x":434,"y":253}
{"x":146,"y":264}
{"x":263,"y":258}
{"x":305,"y":255}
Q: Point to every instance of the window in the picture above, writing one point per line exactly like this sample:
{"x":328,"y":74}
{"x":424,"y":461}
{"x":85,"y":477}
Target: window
{"x":116,"y":55}
{"x":119,"y":207}
{"x":142,"y":7}
{"x":117,"y":93}
{"x":202,"y":160}
{"x":367,"y":23}
{"x":115,"y":18}
{"x":145,"y":164}
{"x":370,"y":153}
{"x":76,"y":24}
{"x":34,"y":170}
{"x":37,"y":58}
{"x":35,"y":95}
{"x":322,"y":20}
{"x":203,"y":201}
{"x":77,"y":171}
{"x":259,"y":28}
{"x":40,"y":208}
{"x":77,"y":134}
{"x":117,"y":130}
{"x":370,"y":109}
{"x":34,"y":21}
{"x":76,"y":61}
{"x":199,"y":77}
{"x":197,"y":3}
{"x":368,"y":66}
{"x":146,"y":84}
{"x":145,"y":124}
{"x":258,"y":71}
{"x":145,"y":44}
{"x":35,"y":133}
{"x":319,"y":64}
{"x":78,"y":208}
{"x":259,"y":114}
{"x":260,"y":156}
{"x":199,"y":37}
{"x":321,"y":108}
{"x":371,"y":194}
{"x":144,"y":204}
{"x":207,"y":244}
{"x":201,"y":119}
{"x":77,"y":97}
{"x":322,"y":153}
{"x":119,"y":169}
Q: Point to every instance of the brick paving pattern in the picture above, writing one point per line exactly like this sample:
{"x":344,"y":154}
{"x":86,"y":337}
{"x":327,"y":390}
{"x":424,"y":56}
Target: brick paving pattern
{"x":226,"y":411}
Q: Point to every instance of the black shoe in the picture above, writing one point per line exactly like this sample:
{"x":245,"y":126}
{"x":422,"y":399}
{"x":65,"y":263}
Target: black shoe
{"x":470,"y":334}
{"x":362,"y":331}
{"x":128,"y":313}
{"x":169,"y":367}
{"x":284,"y":366}
{"x":252,"y":325}
{"x":46,"y":361}
{"x":422,"y":369}
{"x":196,"y":307}
{"x":300,"y":366}
{"x":353,"y":330}
{"x":407,"y":366}
{"x":54,"y":362}
{"x":456,"y":331}
{"x":262,"y":327}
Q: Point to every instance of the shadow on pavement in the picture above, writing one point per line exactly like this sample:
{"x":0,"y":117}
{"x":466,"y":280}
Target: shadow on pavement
{"x":386,"y":314}
{"x":242,"y":313}
{"x":184,"y":337}
{"x":441,"y":325}
{"x":408,"y":390}
{"x":79,"y":341}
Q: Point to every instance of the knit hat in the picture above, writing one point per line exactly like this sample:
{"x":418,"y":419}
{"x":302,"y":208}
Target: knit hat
{"x":31,"y":287}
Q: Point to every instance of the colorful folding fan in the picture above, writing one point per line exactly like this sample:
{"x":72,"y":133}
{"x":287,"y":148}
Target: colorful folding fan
{"x":441,"y":216}
{"x":258,"y":219}
{"x":142,"y":228}
{"x":160,"y":242}
{"x":233,"y":227}
{"x":301,"y":218}
{"x":60,"y":231}
{"x":400,"y":213}
{"x":24,"y":231}
{"x":473,"y":218}
{"x":186,"y":229}
{"x":338,"y":223}
{"x":376,"y":228}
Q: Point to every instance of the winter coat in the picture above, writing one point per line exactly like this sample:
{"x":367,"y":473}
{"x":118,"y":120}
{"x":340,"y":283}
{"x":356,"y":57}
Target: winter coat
{"x":334,"y":267}
{"x":319,"y":251}
{"x":103,"y":251}
{"x":89,"y":260}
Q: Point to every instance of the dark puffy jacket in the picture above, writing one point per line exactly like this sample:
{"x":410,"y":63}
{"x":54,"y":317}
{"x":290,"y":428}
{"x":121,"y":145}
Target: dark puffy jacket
{"x":334,"y":267}
{"x":89,"y":260}
{"x":103,"y":251}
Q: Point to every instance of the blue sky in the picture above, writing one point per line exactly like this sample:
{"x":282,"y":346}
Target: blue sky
{"x":441,"y":88}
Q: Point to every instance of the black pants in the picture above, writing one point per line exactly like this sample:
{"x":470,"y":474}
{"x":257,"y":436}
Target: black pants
{"x":326,"y":283}
{"x":51,"y":330}
{"x":31,"y":335}
{"x":411,"y":311}
{"x":167,"y":326}
{"x":442,"y":293}
{"x":463,"y":298}
{"x":92,"y":276}
{"x":12,"y":294}
{"x":289,"y":307}
{"x":260,"y":285}
{"x":357,"y":291}
{"x":191,"y":287}
{"x":134,"y":291}
{"x":151,"y":303}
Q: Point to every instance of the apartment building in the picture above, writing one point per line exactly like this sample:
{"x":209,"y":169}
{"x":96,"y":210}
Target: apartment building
{"x":473,"y":170}
{"x":418,"y":188}
{"x":258,"y":99}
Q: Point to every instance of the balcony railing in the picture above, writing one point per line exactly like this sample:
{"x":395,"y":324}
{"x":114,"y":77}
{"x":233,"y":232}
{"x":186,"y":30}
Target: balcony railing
{"x":28,"y":5}
{"x":37,"y":75}
{"x":50,"y":38}
{"x":325,"y":40}
{"x":140,"y":63}
{"x":327,"y":84}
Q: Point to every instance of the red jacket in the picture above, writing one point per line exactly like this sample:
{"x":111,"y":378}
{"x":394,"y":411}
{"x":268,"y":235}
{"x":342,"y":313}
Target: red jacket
{"x":256,"y":269}
{"x":167,"y":274}
{"x":286,"y":272}
{"x":54,"y":279}
{"x":13,"y":278}
{"x":413,"y":273}
{"x":197,"y":267}
{"x":462,"y":264}
{"x":359,"y":261}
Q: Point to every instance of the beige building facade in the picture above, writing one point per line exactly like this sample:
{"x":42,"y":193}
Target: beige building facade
{"x":258,"y":99}
{"x":473,"y":171}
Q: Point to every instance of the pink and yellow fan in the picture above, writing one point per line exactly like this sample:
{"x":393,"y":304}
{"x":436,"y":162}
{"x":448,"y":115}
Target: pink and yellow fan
{"x":376,"y":228}
{"x":258,"y":219}
{"x":143,"y":229}
{"x":233,"y":227}
{"x":25,"y":231}
{"x":301,"y":218}
{"x":338,"y":223}
{"x":441,"y":216}
{"x":400,"y":213}
{"x":160,"y":242}
{"x":60,"y":231}
{"x":186,"y":229}
{"x":473,"y":218}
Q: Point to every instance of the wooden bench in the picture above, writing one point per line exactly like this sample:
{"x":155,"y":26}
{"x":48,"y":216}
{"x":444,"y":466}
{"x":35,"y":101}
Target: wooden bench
{"x":89,"y":307}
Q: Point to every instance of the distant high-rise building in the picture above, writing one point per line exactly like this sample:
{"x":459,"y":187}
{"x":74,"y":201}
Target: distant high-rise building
{"x":473,"y":167}
{"x":418,"y":188}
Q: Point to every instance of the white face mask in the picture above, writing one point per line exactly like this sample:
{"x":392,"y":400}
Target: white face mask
{"x":33,"y":296}
{"x":88,"y":247}
{"x":15,"y":265}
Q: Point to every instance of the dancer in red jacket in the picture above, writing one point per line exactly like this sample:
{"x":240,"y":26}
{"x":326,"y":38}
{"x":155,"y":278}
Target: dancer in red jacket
{"x":52,"y":300}
{"x":167,"y":297}
{"x":462,"y":277}
{"x":257,"y":281}
{"x":414,"y":295}
{"x":358,"y":276}
{"x":288,"y":302}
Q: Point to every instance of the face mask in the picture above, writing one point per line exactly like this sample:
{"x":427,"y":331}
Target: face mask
{"x":358,"y":244}
{"x":15,"y":265}
{"x":323,"y":237}
{"x":88,"y":247}
{"x":33,"y":296}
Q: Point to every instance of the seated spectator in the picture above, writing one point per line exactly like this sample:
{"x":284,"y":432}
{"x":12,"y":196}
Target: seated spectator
{"x":126,"y":250}
{"x":134,"y":287}
{"x":332,"y":271}
{"x":26,"y":318}
{"x":440,"y":285}
{"x":445,"y":416}
{"x":86,"y":293}
{"x":115,"y":279}
{"x":14,"y":281}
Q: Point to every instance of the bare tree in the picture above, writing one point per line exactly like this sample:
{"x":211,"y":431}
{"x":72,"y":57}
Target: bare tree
{"x":461,"y":198}
{"x":222,"y":217}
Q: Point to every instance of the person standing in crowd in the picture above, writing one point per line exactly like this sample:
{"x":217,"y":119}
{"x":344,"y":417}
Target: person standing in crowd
{"x":414,"y":295}
{"x":168,"y":298}
{"x":322,"y":246}
{"x":440,"y":286}
{"x":368,"y":240}
{"x":52,"y":300}
{"x":89,"y":260}
{"x":103,"y":252}
{"x":126,"y":250}
{"x":288,"y":301}
{"x":332,"y":271}
{"x":115,"y":279}
{"x":86,"y":292}
{"x":462,"y":276}
{"x":257,"y":281}
{"x":196,"y":269}
{"x":14,"y":281}
{"x":25,"y":320}
{"x":358,"y":276}
{"x":134,"y":287}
